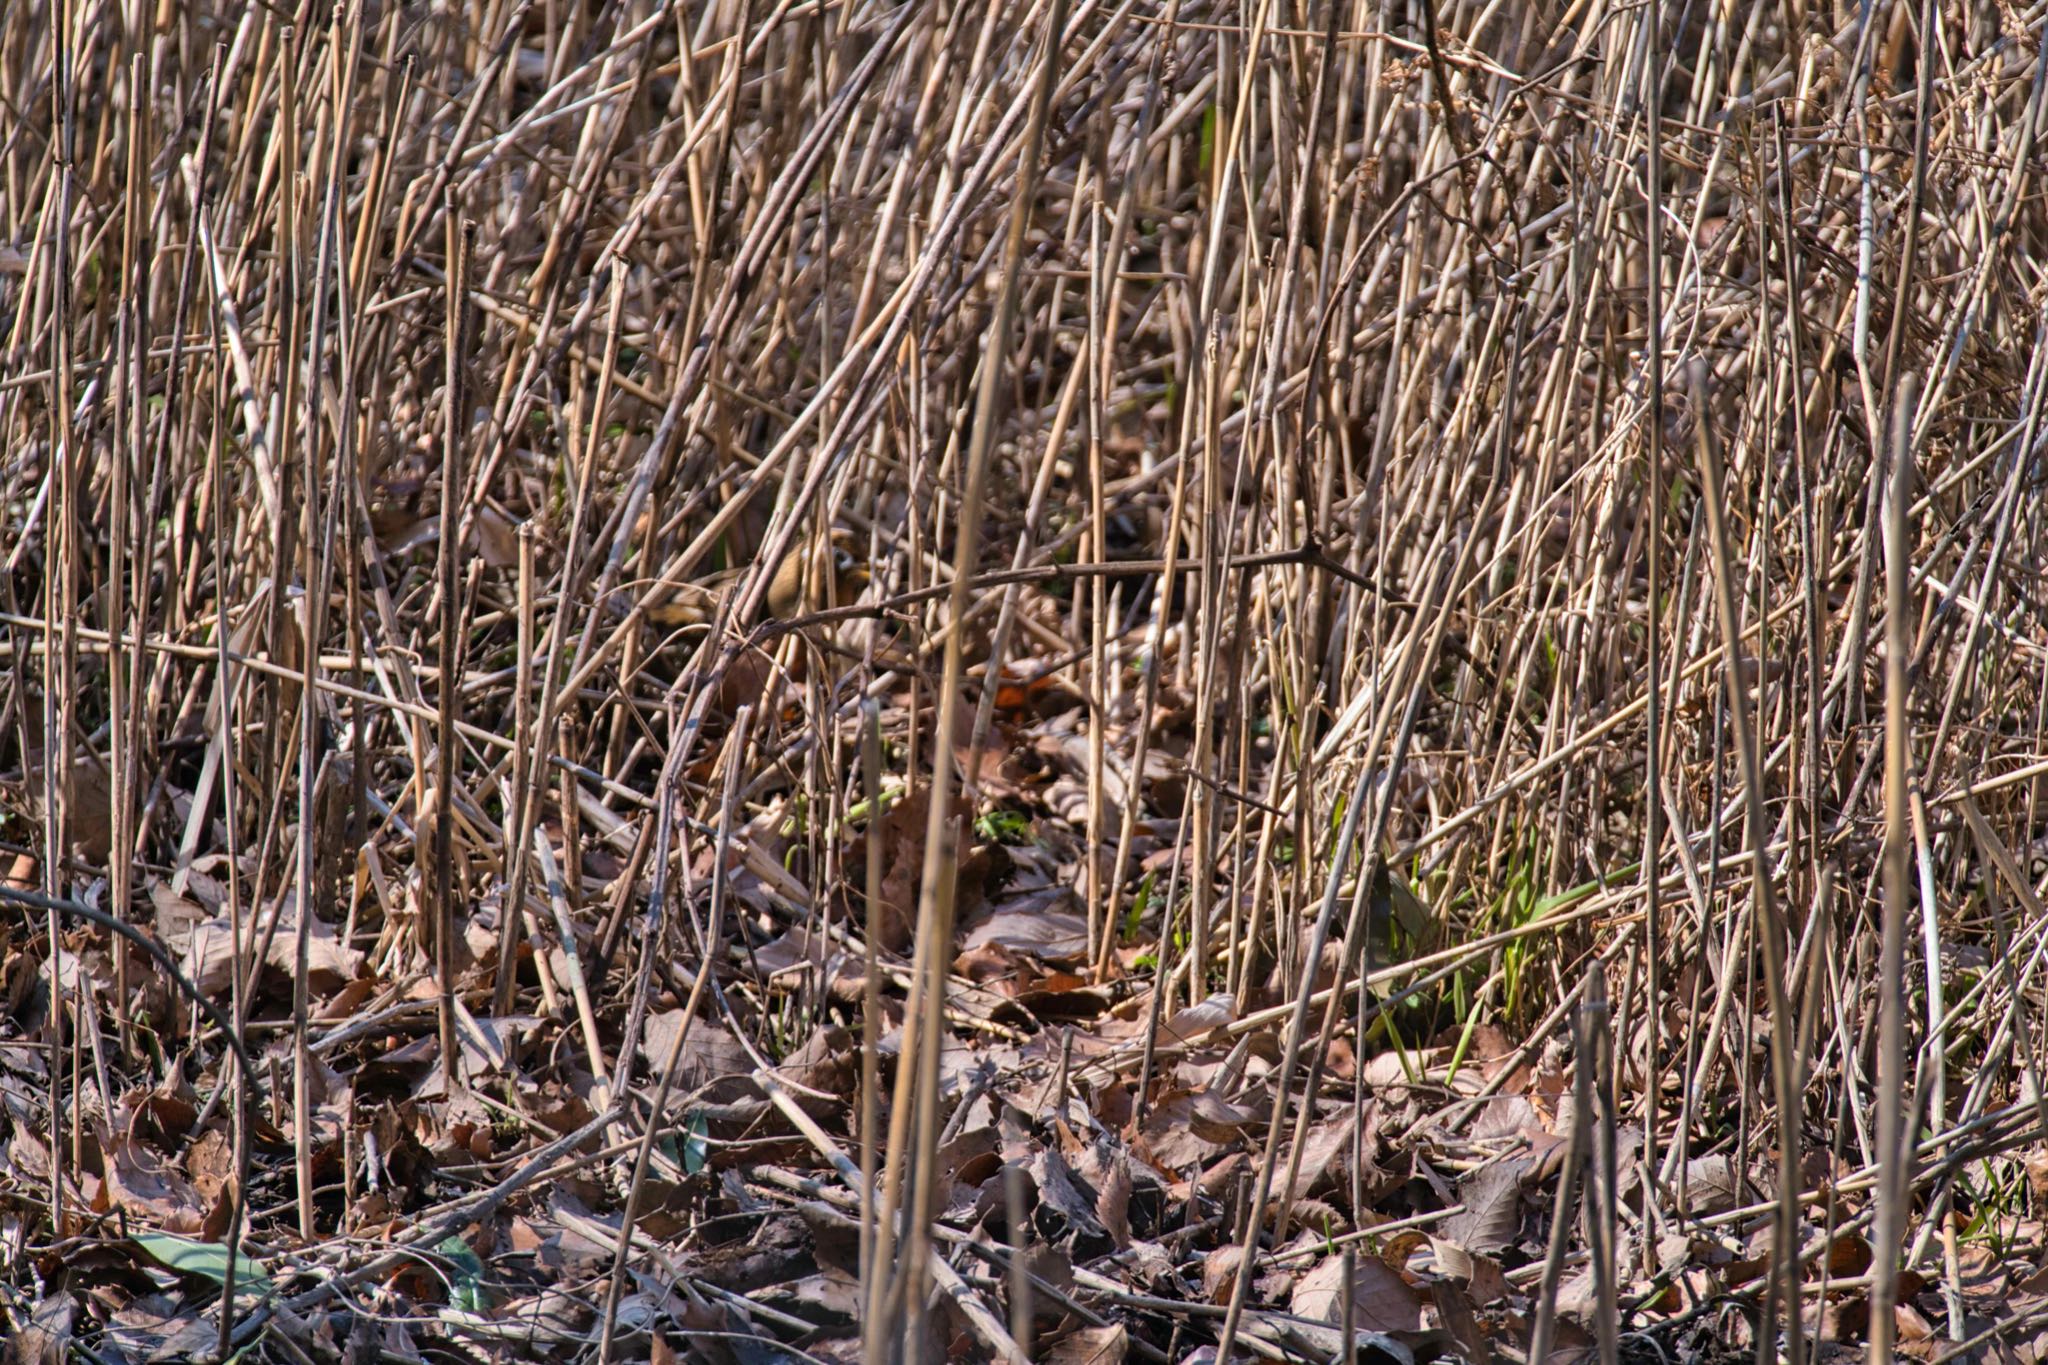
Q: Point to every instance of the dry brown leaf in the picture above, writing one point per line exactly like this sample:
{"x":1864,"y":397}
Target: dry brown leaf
{"x":1108,"y":1345}
{"x":1049,"y":935}
{"x":1381,"y":1300}
{"x":1711,"y":1184}
{"x":147,"y":1185}
{"x":1060,"y":1189}
{"x":709,"y":1054}
{"x":46,"y":1337}
{"x":1186,"y":1128}
{"x":209,"y":952}
{"x":161,"y":1328}
{"x":1200,"y":1019}
{"x":1492,"y":1219}
{"x":1113,"y":1200}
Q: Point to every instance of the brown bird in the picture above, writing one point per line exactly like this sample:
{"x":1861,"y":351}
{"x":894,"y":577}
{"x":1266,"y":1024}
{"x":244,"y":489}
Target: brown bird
{"x":806,"y":582}
{"x":810,"y":578}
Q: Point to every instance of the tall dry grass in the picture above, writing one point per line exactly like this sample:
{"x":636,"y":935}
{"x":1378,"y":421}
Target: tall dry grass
{"x":1367,"y":409}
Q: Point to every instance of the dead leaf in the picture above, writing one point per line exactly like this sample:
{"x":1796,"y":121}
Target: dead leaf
{"x":1381,"y":1300}
{"x":1188,"y":1128}
{"x":159,"y":1327}
{"x":710,"y":1054}
{"x":1048,"y":935}
{"x":1113,"y":1202}
{"x":1199,"y":1019}
{"x":209,"y":951}
{"x":46,"y":1336}
{"x":147,"y":1185}
{"x":1090,"y":1346}
{"x":1711,"y":1184}
{"x":1060,"y":1190}
{"x":1492,"y":1196}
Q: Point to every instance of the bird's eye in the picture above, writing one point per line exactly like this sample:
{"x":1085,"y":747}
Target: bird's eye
{"x":841,"y":560}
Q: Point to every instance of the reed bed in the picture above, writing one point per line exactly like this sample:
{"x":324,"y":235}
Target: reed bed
{"x":768,"y":679}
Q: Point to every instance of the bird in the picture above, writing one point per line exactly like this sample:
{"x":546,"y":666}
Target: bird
{"x":792,"y":592}
{"x":813,"y":577}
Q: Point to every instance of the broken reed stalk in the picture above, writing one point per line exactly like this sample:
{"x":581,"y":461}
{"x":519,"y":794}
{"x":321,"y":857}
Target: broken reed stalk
{"x":710,"y":938}
{"x":1652,"y":98}
{"x":1290,"y":1054}
{"x":1787,"y":1090}
{"x":518,"y":807}
{"x":871,"y":1031}
{"x":1595,"y":1067}
{"x":1578,"y":1139}
{"x":1894,"y":1109}
{"x":60,"y":585}
{"x":939,"y":874}
{"x":297,"y":439}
